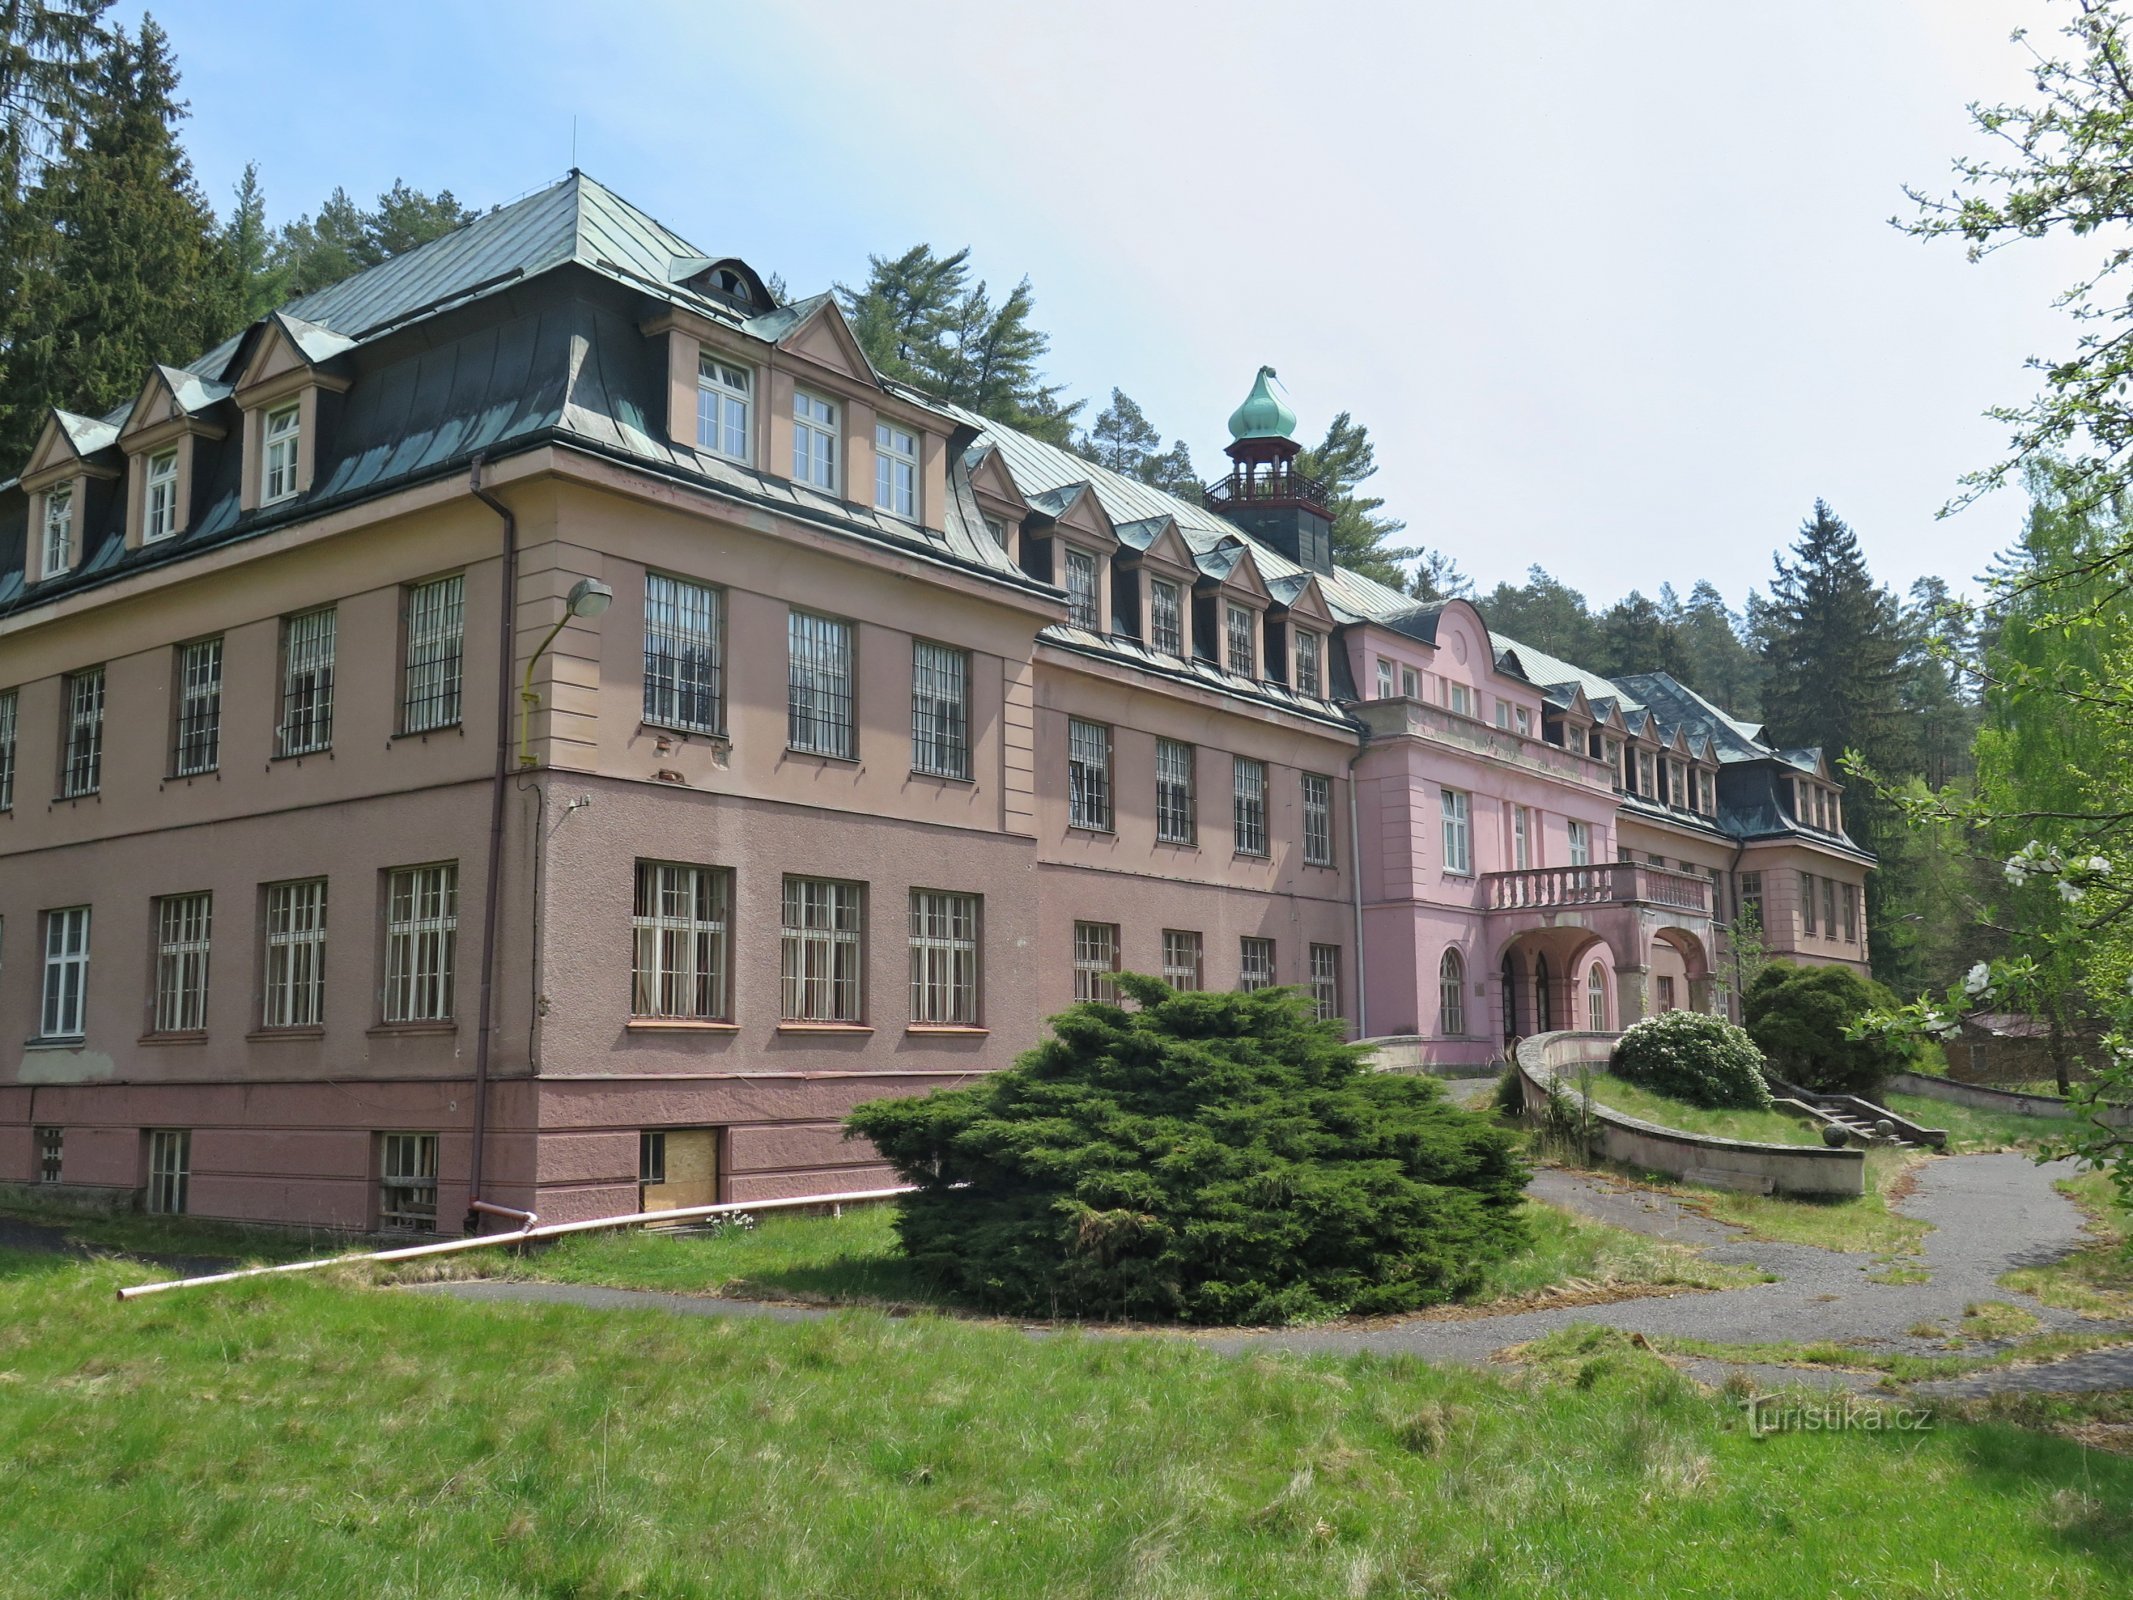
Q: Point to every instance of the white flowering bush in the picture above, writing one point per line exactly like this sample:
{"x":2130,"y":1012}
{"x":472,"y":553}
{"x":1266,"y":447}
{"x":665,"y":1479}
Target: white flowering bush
{"x":1693,"y":1056}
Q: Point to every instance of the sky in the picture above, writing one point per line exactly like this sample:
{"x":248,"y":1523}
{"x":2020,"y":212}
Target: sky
{"x":1613,"y":287}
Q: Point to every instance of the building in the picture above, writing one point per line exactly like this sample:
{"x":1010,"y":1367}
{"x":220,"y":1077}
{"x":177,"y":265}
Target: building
{"x":541,"y":722}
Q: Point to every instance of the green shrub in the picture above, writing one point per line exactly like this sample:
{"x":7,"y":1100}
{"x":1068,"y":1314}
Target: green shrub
{"x":1693,"y":1056}
{"x":1213,"y":1158}
{"x":1797,"y":1017}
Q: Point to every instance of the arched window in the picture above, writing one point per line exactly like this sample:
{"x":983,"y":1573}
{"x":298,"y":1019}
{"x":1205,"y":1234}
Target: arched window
{"x":1596,"y":998}
{"x":1510,"y":997}
{"x":1451,"y":995}
{"x":1543,"y":1004}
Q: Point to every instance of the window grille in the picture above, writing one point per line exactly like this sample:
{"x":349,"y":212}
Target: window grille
{"x":1239,"y":636}
{"x":407,"y":1182}
{"x":159,"y":498}
{"x":944,"y":958}
{"x":7,"y":750}
{"x":940,"y":710}
{"x":281,"y":436}
{"x":1249,"y":806}
{"x":183,"y":926}
{"x":1182,"y":960}
{"x":1255,"y":964}
{"x":1318,"y":819}
{"x":1095,"y":961}
{"x":51,"y":1154}
{"x":896,"y":470}
{"x":83,"y":770}
{"x":1088,"y":775}
{"x":66,"y":973}
{"x":1081,"y":591}
{"x":1451,"y":995}
{"x":820,"y":951}
{"x":421,"y":942}
{"x":814,"y":441}
{"x":306,"y":684}
{"x":819,"y":686}
{"x":679,"y":928}
{"x":197,"y":747}
{"x":436,"y":633}
{"x":170,"y":1163}
{"x":58,"y":531}
{"x":1308,"y":677}
{"x":1176,"y":804}
{"x":683,"y":655}
{"x":722,"y":391}
{"x":1458,"y":833}
{"x":1326,"y":980}
{"x":1166,"y":618}
{"x":295,"y":985}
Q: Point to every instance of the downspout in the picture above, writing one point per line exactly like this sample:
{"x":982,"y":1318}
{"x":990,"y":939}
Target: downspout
{"x":492,"y":888}
{"x":1355,"y":886}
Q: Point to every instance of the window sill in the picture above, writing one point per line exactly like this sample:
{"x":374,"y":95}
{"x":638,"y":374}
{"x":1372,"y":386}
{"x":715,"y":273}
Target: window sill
{"x":1090,"y":827}
{"x":951,"y":1029}
{"x":272,"y":1035}
{"x":70,"y":799}
{"x":1179,"y":844}
{"x":325,"y":750}
{"x":825,"y":1027}
{"x":397,"y":1029}
{"x":1250,"y":855}
{"x":964,"y":780}
{"x":456,"y":728}
{"x":678,"y":1025}
{"x":822,"y":755}
{"x":190,"y":1036}
{"x":675,"y":730}
{"x":71,"y":1041}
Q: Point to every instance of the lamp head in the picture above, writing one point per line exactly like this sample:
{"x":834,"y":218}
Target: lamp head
{"x":589,"y":597}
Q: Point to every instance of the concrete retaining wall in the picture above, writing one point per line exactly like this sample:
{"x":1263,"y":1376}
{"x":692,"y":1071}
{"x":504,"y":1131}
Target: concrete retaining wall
{"x":1700,"y":1158}
{"x":1980,"y":1098}
{"x":1409,"y":1053}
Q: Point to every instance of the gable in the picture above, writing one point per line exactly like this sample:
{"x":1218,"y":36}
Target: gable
{"x":1084,"y":514}
{"x":1244,"y":578}
{"x":1306,"y":604}
{"x":1169,"y":549}
{"x":991,"y":479}
{"x":825,"y":338}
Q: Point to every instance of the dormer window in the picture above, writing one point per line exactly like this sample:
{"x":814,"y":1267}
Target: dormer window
{"x":814,"y":441}
{"x":58,"y":530}
{"x":722,"y":407}
{"x":281,"y":436}
{"x":1308,"y":680}
{"x":1166,"y":617}
{"x":896,"y":470}
{"x":1237,"y":641}
{"x":1384,"y":679}
{"x":1082,"y":609}
{"x":159,"y":511}
{"x":998,"y":530}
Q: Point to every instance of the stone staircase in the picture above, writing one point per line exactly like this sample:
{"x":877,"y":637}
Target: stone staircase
{"x":1861,"y":1121}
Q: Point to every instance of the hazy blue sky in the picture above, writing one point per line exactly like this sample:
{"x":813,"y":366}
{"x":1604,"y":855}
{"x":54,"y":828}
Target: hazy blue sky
{"x":1613,"y":286}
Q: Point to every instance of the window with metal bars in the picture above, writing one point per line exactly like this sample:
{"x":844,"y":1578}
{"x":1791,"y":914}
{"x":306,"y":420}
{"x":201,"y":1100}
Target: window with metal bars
{"x":407,"y":1182}
{"x":820,"y":951}
{"x":896,"y":470}
{"x":51,"y":1154}
{"x":1082,"y":610}
{"x":1248,"y":806}
{"x":1166,"y":617}
{"x":1255,"y":964}
{"x":421,"y":942}
{"x":196,"y":745}
{"x":940,"y":710}
{"x":184,"y":923}
{"x":436,"y":636}
{"x":1176,"y":804}
{"x":684,"y":655}
{"x":1238,"y":633}
{"x":307,"y":642}
{"x":722,"y":407}
{"x":1309,"y":677}
{"x":1095,"y":961}
{"x":1318,"y":819}
{"x":81,"y":769}
{"x":944,"y":959}
{"x":1088,"y":775}
{"x":295,"y":978}
{"x":280,"y":436}
{"x":1182,"y":966}
{"x":1326,"y":980}
{"x":7,"y":750}
{"x":58,"y":531}
{"x":818,"y":696}
{"x":159,"y":497}
{"x":680,"y":928}
{"x":170,"y":1170}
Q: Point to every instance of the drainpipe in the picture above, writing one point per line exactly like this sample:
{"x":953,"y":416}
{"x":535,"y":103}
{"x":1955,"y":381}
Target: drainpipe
{"x":492,"y":887}
{"x":1355,"y":886}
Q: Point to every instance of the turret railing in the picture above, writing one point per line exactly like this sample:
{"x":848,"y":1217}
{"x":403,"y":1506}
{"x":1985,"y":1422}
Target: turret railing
{"x":1610,"y":883}
{"x":1266,"y":480}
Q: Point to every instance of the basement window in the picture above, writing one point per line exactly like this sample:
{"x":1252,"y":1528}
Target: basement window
{"x":407,"y":1182}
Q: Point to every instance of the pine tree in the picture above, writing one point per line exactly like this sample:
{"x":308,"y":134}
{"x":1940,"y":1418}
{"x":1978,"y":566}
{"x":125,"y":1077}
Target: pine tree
{"x":344,"y":239}
{"x":1362,"y":533}
{"x":1637,"y":634}
{"x":1547,"y":614}
{"x":1437,"y":577}
{"x":1122,"y":438}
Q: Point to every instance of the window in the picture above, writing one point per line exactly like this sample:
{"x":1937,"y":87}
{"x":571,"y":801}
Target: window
{"x":998,"y":530}
{"x":1176,"y":800}
{"x":1255,"y":964}
{"x":1182,"y":968}
{"x":1543,"y":996}
{"x":1410,"y":683}
{"x":1829,"y":907}
{"x":295,"y":985}
{"x":679,"y":929}
{"x":421,"y":942}
{"x":1521,"y":837}
{"x":944,"y":959}
{"x":1851,"y":913}
{"x":1166,"y":617}
{"x":1326,"y":980}
{"x":818,"y":687}
{"x":197,"y":744}
{"x":814,"y":441}
{"x":51,"y":1154}
{"x":1308,"y":677}
{"x":1458,"y":833}
{"x":1088,"y":775}
{"x":281,"y":435}
{"x":1580,"y":844}
{"x":1248,"y":810}
{"x":1807,"y":901}
{"x":1665,"y":987}
{"x":1707,"y":784}
{"x":159,"y":497}
{"x":1384,"y":679}
{"x":722,"y":391}
{"x":183,"y":923}
{"x":1318,"y":819}
{"x":940,"y":710}
{"x":652,"y":1156}
{"x":1081,"y":591}
{"x":1647,"y":784}
{"x":170,"y":1170}
{"x":1460,"y":698}
{"x":1095,"y":960}
{"x":407,"y":1182}
{"x":306,"y":684}
{"x":684,"y":655}
{"x":58,"y":531}
{"x":1237,"y":637}
{"x":436,"y":622}
{"x":1750,"y":898}
{"x":819,"y":951}
{"x":66,"y":973}
{"x":1451,"y":995}
{"x":896,"y":470}
{"x":7,"y":751}
{"x":82,"y":771}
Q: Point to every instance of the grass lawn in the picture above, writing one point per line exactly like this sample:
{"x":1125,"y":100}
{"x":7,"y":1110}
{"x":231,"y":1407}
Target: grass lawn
{"x":1970,"y":1129}
{"x":319,"y":1438}
{"x":1758,"y":1127}
{"x":2097,"y":1279}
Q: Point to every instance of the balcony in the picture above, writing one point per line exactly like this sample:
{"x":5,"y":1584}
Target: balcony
{"x":1263,"y":481}
{"x":1615,"y":883}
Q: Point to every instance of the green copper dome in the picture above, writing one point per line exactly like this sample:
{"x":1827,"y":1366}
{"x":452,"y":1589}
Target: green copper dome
{"x":1263,"y":415}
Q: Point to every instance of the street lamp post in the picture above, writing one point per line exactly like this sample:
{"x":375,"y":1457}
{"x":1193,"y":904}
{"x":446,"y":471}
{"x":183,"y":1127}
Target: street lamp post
{"x":588,"y":598}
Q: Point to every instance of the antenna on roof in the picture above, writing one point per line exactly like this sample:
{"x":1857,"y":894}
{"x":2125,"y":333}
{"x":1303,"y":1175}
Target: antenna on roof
{"x":573,"y":142}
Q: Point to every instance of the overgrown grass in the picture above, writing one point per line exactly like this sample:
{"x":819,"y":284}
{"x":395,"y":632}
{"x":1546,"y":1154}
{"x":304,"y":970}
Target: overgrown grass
{"x":1900,"y":1366}
{"x":1970,"y":1129}
{"x":1758,"y":1127}
{"x":2097,"y":1279}
{"x":311,"y":1438}
{"x":1863,"y":1223}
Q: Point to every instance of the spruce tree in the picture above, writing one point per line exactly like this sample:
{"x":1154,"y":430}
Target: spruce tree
{"x":1362,"y":532}
{"x":1638,"y":634}
{"x":344,"y":238}
{"x":1547,"y":614}
{"x":1437,"y":577}
{"x":261,"y":281}
{"x":1715,"y":661}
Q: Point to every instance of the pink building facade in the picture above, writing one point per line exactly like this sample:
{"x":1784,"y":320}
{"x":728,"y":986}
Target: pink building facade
{"x":542,"y":722}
